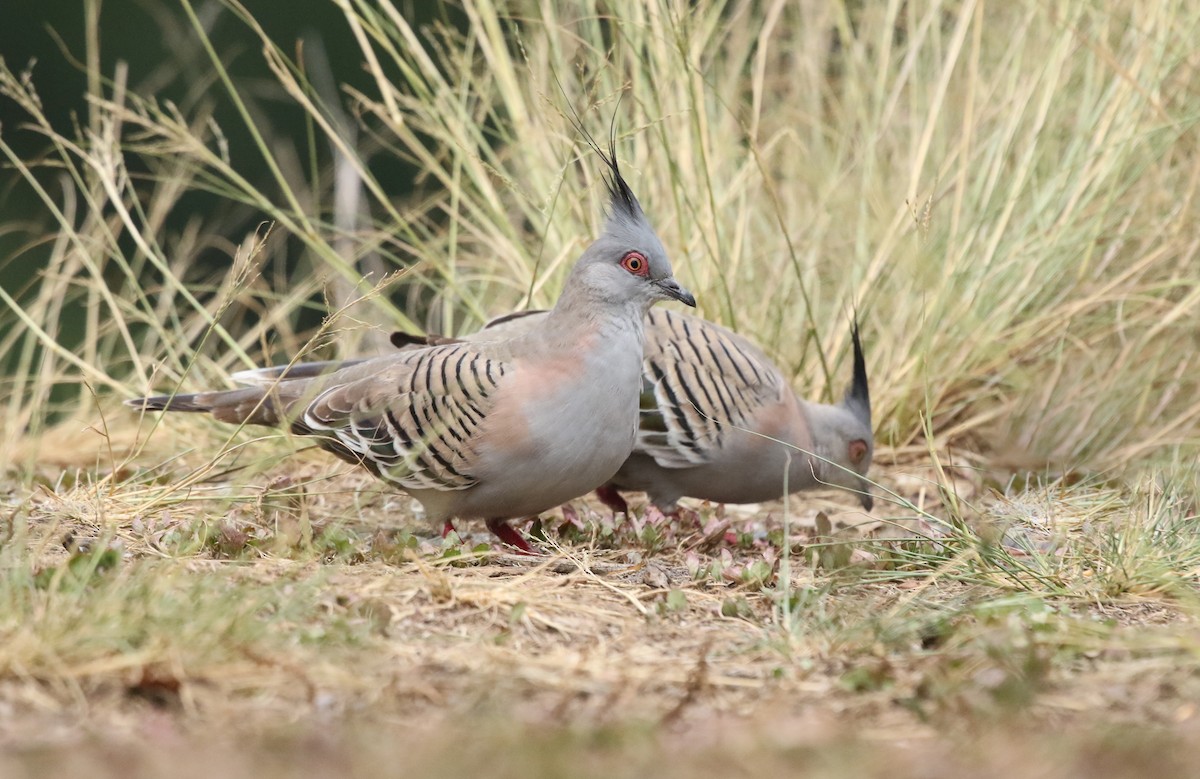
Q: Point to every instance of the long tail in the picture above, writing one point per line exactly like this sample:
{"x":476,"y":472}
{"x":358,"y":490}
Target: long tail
{"x":263,"y":377}
{"x":249,"y":406}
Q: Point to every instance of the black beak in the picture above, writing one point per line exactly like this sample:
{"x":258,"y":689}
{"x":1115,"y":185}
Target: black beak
{"x":670,"y":287}
{"x":866,"y":500}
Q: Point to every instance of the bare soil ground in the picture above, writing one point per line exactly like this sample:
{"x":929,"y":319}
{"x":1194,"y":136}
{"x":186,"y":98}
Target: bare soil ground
{"x":291,"y":623}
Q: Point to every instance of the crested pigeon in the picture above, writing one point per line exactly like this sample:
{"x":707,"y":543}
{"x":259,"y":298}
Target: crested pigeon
{"x":719,"y":421}
{"x":494,"y":430}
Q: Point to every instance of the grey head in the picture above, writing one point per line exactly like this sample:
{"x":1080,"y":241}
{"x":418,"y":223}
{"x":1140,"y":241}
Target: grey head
{"x":627,"y":264}
{"x":843,"y":433}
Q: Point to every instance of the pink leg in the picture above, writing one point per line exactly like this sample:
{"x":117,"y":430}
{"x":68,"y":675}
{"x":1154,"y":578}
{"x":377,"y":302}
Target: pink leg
{"x":500,"y":529}
{"x":611,"y":498}
{"x":448,"y":528}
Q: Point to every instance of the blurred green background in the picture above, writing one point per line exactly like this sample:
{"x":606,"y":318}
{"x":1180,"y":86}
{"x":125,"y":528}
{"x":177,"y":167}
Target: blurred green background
{"x":164,"y":56}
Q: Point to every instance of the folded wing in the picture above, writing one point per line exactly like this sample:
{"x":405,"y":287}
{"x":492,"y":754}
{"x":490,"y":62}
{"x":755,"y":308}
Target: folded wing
{"x":700,"y":382}
{"x":412,"y":420}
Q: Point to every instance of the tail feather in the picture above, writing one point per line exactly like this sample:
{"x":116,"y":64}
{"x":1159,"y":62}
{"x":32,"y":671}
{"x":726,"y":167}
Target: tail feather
{"x":297,"y":370}
{"x":249,"y":406}
{"x":167,"y":403}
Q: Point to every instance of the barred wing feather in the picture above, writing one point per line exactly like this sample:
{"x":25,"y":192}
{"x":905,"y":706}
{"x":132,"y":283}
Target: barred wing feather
{"x":699,"y":381}
{"x":414,"y":422}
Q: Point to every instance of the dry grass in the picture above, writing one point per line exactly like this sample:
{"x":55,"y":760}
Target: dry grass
{"x":1007,"y":195}
{"x":169,"y":625}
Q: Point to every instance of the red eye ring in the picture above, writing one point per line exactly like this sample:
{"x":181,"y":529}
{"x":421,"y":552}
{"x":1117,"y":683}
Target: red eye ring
{"x":635,"y":263}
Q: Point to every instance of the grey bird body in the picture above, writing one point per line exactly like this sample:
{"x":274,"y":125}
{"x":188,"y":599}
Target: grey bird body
{"x":727,"y":427}
{"x":497,"y":429}
{"x":720,"y":423}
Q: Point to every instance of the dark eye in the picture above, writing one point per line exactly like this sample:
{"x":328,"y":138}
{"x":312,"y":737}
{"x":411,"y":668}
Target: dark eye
{"x":636,"y":264}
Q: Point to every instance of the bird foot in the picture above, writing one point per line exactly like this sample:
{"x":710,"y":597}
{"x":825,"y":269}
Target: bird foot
{"x":448,"y":528}
{"x":503,"y":531}
{"x":610,"y":497}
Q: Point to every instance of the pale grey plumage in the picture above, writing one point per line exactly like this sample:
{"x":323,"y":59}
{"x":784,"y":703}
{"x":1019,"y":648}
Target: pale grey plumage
{"x":719,"y":421}
{"x":732,"y":427}
{"x":492,"y":430}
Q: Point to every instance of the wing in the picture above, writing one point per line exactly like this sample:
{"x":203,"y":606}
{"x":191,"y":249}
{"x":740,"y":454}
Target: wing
{"x":501,"y":328}
{"x":699,"y":381}
{"x":412,"y":419}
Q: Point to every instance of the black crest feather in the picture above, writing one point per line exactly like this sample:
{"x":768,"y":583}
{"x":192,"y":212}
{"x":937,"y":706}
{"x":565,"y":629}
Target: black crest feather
{"x":620,"y":195}
{"x":621,"y":198}
{"x":858,"y":397}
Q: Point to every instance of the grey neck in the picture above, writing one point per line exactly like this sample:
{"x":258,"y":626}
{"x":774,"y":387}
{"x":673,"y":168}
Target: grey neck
{"x":581,"y":310}
{"x":826,"y":425}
